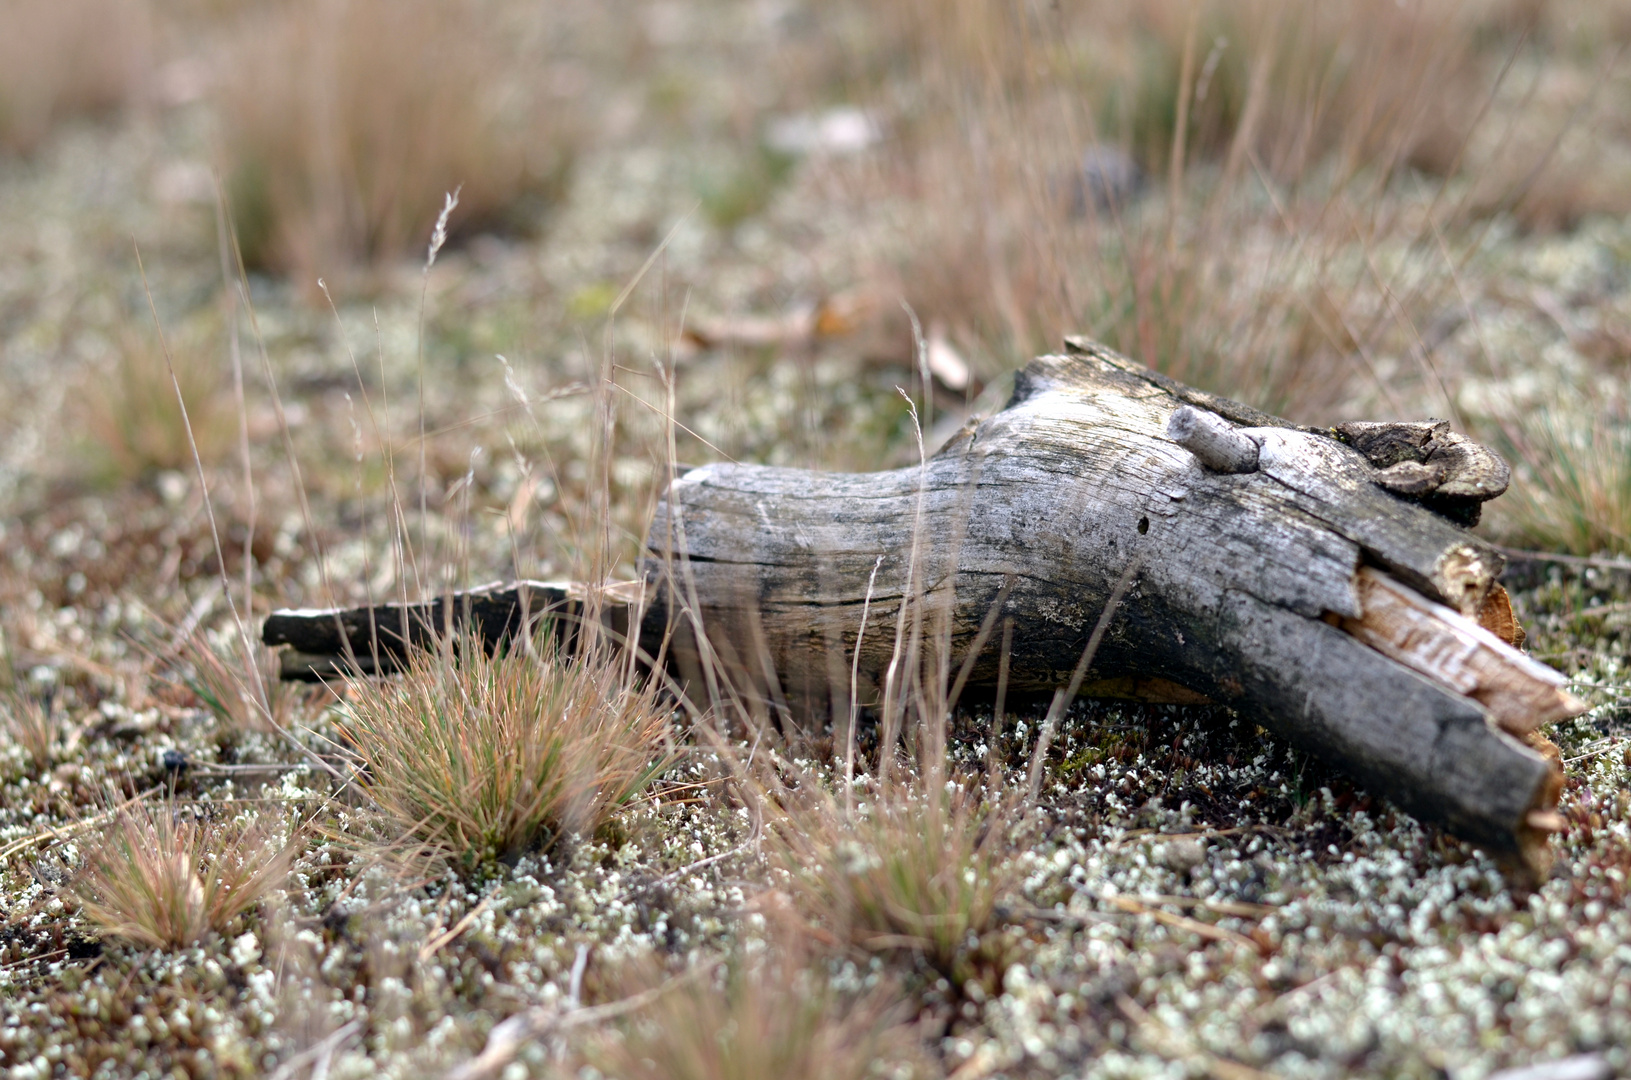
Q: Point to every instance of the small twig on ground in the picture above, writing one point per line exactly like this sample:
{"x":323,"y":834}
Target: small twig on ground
{"x":675,"y":875}
{"x":1237,"y":908}
{"x":1277,"y":1006}
{"x":35,"y":959}
{"x":319,"y":1054}
{"x":1578,"y":1067}
{"x":432,"y":947}
{"x":1566,"y":560}
{"x":1074,"y":919}
{"x":1595,"y":749}
{"x":1136,"y":906}
{"x":210,"y":768}
{"x":1165,"y":1040}
{"x":982,"y":1063}
{"x":580,"y":963}
{"x":507,"y":1038}
{"x":49,"y":835}
{"x":1204,"y":834}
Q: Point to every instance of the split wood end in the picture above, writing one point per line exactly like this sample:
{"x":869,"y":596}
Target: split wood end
{"x":1519,"y":693}
{"x":1479,"y":662}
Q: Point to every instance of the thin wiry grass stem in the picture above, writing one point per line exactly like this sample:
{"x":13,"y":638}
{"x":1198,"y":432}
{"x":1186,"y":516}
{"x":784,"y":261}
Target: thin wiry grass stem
{"x":1180,"y":131}
{"x":904,"y":652}
{"x":1064,"y":696}
{"x":285,"y":432}
{"x":438,"y":237}
{"x":209,"y":507}
{"x":987,"y":626}
{"x":855,"y":693}
{"x":235,"y":350}
{"x":993,"y":755}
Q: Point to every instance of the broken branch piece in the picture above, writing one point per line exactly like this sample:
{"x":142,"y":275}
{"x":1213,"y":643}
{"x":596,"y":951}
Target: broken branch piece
{"x":1309,"y":591}
{"x":1219,"y":445}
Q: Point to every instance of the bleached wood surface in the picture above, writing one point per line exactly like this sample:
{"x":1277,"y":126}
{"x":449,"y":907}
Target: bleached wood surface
{"x":1247,"y":590}
{"x":1242,"y":575}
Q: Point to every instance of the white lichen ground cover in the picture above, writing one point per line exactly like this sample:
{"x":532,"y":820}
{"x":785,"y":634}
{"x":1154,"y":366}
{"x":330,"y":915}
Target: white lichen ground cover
{"x":1194,"y":897}
{"x":1359,"y":942}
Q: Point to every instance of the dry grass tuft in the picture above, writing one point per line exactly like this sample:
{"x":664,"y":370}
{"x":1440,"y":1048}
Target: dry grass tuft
{"x":160,"y":880}
{"x":66,"y":58}
{"x":1572,"y":489}
{"x":767,"y":1017}
{"x":484,"y":757}
{"x":29,"y":725}
{"x":919,"y":873}
{"x":133,"y":422}
{"x":347,"y":122}
{"x":243,"y":696}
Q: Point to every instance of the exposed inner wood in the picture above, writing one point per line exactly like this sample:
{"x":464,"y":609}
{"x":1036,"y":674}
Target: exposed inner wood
{"x":1497,"y":617}
{"x":1454,"y":651}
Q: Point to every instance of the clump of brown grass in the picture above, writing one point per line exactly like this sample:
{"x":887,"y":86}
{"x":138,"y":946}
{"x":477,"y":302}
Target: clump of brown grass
{"x":66,"y":58}
{"x":482,"y":756}
{"x":159,"y":879}
{"x":346,"y":123}
{"x":914,"y":872}
{"x":29,"y":725}
{"x":134,"y":424}
{"x":1572,"y":491}
{"x":243,"y":695}
{"x":769,"y":1017}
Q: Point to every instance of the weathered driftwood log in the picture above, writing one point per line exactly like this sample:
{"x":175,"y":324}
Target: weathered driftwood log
{"x":1316,"y":579}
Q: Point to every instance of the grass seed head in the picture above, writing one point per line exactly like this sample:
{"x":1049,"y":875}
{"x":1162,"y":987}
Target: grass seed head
{"x":349,"y":123}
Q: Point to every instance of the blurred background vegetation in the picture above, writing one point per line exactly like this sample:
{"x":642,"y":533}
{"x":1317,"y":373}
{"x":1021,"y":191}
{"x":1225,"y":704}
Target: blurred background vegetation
{"x":1366,"y":208}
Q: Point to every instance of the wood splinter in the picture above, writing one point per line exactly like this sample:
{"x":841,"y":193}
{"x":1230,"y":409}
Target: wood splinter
{"x":1321,"y":582}
{"x":1520,"y":694}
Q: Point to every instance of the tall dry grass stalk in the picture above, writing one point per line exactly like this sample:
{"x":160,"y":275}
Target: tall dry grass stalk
{"x":66,"y":58}
{"x":162,"y":880}
{"x":480,"y":756}
{"x":346,"y":120}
